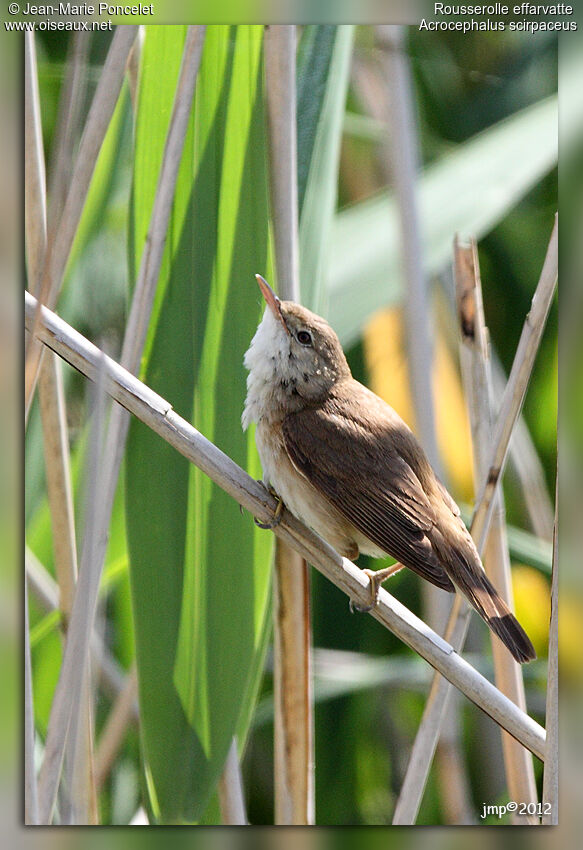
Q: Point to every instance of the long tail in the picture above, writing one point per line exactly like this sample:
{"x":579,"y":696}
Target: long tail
{"x":496,"y":613}
{"x":463,"y":566}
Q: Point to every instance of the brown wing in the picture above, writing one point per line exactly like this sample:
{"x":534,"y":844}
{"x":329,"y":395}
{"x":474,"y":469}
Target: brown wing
{"x":361,"y":466}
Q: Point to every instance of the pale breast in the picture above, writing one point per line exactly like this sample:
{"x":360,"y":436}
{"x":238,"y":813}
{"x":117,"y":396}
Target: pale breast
{"x":300,"y":497}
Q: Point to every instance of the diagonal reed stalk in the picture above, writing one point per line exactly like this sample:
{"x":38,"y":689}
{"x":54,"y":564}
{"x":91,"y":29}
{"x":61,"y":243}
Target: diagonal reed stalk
{"x":517,"y":383}
{"x":292,"y":681}
{"x":429,"y":728}
{"x":404,"y":168}
{"x":59,"y":248}
{"x":157,"y":414}
{"x":230,"y":790}
{"x":551,"y":771}
{"x":58,"y":471}
{"x":115,"y":729}
{"x":478,"y":388}
{"x":46,"y":593}
{"x":71,"y":680}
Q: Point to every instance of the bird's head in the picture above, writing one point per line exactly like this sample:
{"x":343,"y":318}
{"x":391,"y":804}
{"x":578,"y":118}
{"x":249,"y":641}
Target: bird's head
{"x":296,"y":351}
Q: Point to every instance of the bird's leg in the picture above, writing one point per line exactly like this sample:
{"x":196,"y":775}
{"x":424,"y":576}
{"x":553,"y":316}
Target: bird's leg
{"x":376,"y":578}
{"x":272,"y":523}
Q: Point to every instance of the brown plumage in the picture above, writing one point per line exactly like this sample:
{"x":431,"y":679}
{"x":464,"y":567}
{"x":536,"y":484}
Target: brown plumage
{"x":345,"y":463}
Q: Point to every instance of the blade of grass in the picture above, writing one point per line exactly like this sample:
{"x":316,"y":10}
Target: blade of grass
{"x":314,"y":57}
{"x":68,"y":123}
{"x":201,"y":624}
{"x":280,"y":91}
{"x":121,"y":716}
{"x":466,"y":191}
{"x":231,"y":790}
{"x":151,"y":260}
{"x":73,"y":675}
{"x":46,"y":592}
{"x":319,"y":199}
{"x":35,"y":211}
{"x":57,"y":463}
{"x":158,"y":414}
{"x":404,"y":160}
{"x":435,"y":707}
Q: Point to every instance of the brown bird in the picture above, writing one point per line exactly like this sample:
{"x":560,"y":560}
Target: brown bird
{"x":346,"y":464}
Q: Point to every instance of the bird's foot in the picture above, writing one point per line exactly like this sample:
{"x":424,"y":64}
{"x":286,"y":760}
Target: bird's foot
{"x":274,"y":522}
{"x":376,"y":578}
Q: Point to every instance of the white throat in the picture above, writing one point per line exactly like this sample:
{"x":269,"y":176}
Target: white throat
{"x":267,"y":360}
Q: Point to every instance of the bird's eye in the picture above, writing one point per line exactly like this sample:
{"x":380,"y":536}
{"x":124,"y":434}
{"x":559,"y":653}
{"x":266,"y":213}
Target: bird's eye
{"x":304,"y":337}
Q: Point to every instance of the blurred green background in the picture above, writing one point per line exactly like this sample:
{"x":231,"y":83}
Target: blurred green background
{"x":370,"y":689}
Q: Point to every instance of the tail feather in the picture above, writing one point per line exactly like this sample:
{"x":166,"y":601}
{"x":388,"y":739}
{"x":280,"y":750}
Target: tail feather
{"x":465,"y":570}
{"x":496,"y":613}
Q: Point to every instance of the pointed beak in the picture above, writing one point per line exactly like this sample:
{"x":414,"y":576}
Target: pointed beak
{"x":271,"y":299}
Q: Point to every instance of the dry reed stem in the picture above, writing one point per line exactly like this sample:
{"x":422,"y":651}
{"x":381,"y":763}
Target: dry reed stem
{"x":66,"y":721}
{"x":292,"y":689}
{"x":59,"y":490}
{"x":30,"y":784}
{"x":230,"y":790}
{"x":292,"y":682}
{"x":68,"y":124}
{"x":280,"y":91}
{"x":79,"y":800}
{"x":59,"y":248}
{"x":517,"y":383}
{"x":429,"y":728}
{"x":426,"y":739}
{"x":145,"y":288}
{"x":518,"y":764}
{"x":527,"y":466}
{"x":55,"y":439}
{"x":100,"y":113}
{"x":46,"y":593}
{"x":78,"y":765}
{"x":35,"y":231}
{"x":120,"y":718}
{"x":551,"y":770}
{"x":158,"y":414}
{"x":76,"y":658}
{"x":35,"y":209}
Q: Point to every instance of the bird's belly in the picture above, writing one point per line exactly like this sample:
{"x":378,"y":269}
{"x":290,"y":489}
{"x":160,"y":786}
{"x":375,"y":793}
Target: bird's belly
{"x":301,"y":498}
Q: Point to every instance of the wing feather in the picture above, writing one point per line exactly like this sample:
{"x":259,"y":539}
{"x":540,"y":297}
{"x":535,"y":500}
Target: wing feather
{"x":376,"y":488}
